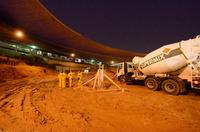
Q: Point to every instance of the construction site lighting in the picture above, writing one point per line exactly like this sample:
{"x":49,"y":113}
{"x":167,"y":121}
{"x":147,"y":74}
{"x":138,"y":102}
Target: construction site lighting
{"x":112,"y":62}
{"x":72,"y":55}
{"x":19,"y":34}
{"x":33,"y":47}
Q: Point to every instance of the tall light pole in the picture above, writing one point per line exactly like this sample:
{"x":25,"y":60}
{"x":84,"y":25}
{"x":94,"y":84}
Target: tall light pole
{"x":112,"y":62}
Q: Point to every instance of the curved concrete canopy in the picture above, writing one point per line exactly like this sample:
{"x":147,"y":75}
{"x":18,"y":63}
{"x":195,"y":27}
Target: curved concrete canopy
{"x":37,"y":21}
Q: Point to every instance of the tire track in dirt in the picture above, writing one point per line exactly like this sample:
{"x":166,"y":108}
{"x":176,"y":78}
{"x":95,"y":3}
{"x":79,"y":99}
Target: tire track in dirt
{"x":22,"y":102}
{"x":35,"y":96}
{"x":68,"y":113}
{"x":39,"y":105}
{"x":41,"y":118}
{"x":10,"y":95}
{"x":27,"y":105}
{"x":16,"y":89}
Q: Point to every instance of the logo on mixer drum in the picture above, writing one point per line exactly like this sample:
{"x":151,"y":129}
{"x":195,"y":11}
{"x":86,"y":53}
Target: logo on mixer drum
{"x":152,"y":61}
{"x":166,"y":53}
{"x":166,"y":50}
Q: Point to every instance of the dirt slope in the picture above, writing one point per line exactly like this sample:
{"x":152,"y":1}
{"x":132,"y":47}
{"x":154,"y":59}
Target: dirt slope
{"x":22,"y":70}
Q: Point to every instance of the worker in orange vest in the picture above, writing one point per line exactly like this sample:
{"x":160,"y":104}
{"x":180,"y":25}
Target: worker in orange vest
{"x":62,"y":79}
{"x":64,"y":76}
{"x":80,"y":76}
{"x":70,"y":76}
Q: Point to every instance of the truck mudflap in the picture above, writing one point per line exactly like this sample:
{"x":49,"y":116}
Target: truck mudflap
{"x":195,"y":83}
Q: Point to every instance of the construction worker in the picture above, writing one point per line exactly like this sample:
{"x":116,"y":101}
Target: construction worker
{"x":70,"y":76}
{"x":60,"y":79}
{"x":80,"y":75}
{"x":64,"y":76}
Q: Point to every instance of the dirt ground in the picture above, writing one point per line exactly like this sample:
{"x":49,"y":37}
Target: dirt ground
{"x":35,"y":103}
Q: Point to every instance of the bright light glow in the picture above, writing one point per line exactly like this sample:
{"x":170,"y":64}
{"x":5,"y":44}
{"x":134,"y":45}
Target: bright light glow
{"x":72,"y":55}
{"x":14,"y":46}
{"x":196,"y":82}
{"x":39,"y":52}
{"x":49,"y":54}
{"x":112,"y":62}
{"x":78,"y":60}
{"x":100,"y":63}
{"x":92,"y":60}
{"x":19,"y":34}
{"x":33,"y":46}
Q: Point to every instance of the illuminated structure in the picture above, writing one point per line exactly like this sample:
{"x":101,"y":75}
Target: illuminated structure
{"x":45,"y":28}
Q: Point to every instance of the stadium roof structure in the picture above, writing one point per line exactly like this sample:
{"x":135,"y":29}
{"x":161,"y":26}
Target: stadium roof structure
{"x":32,"y":17}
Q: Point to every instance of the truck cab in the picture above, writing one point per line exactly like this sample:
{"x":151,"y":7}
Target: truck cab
{"x":124,"y":69}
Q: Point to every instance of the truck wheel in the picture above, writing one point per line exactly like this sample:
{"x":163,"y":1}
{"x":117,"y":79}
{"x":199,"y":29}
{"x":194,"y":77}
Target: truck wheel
{"x":171,"y":86}
{"x":151,"y":83}
{"x":129,"y":80}
{"x":122,"y":78}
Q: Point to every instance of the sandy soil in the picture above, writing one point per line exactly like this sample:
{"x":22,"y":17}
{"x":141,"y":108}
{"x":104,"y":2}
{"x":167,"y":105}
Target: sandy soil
{"x":9,"y":72}
{"x":37,"y":104}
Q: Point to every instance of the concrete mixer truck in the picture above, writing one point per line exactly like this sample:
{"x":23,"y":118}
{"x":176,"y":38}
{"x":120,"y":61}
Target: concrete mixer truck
{"x":170,"y":67}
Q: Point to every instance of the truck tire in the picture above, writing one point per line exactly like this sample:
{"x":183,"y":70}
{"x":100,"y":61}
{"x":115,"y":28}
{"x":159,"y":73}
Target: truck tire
{"x":171,"y":86}
{"x":122,"y":78}
{"x":151,"y":83}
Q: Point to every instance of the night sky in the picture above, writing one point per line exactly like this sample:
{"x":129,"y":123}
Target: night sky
{"x":142,"y":25}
